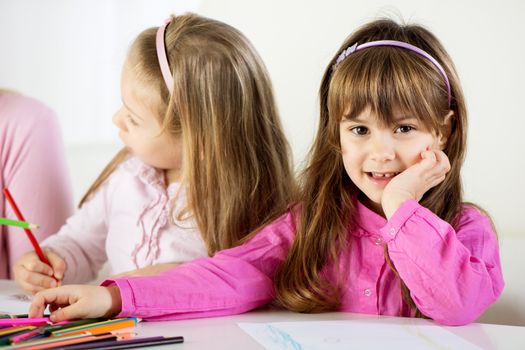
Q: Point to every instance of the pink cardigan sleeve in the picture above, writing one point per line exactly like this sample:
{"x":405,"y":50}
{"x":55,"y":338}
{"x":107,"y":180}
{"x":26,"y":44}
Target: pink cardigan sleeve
{"x":453,"y":275}
{"x":235,"y":280}
{"x":33,"y":167}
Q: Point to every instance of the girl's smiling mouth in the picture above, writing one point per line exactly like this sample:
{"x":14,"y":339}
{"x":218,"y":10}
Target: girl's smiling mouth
{"x":381,"y":178}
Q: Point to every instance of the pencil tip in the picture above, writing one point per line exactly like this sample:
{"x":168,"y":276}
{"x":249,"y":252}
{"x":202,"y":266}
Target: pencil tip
{"x":33,"y":226}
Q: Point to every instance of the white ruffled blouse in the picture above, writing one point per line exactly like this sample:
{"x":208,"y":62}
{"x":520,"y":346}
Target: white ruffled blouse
{"x":127,"y":223}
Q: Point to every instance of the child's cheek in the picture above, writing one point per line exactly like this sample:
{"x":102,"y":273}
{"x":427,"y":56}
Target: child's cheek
{"x":411,"y":154}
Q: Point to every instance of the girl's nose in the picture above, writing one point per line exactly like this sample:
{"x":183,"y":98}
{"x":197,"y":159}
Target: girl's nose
{"x":118,"y":120}
{"x":382,"y":148}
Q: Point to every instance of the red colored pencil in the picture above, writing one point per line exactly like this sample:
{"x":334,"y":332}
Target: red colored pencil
{"x":29,"y":234}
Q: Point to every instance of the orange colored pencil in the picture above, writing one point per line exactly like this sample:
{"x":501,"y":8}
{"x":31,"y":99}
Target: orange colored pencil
{"x":106,"y":326}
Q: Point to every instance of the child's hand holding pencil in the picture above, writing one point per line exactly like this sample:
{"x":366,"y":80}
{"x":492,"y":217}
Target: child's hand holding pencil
{"x":33,"y":275}
{"x":34,"y":271}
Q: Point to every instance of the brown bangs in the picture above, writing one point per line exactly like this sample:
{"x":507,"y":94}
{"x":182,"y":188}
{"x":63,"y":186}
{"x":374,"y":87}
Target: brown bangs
{"x":388,"y":80}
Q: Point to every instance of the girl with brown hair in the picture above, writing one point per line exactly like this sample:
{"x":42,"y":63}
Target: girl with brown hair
{"x":205,"y":162}
{"x":381,"y":226}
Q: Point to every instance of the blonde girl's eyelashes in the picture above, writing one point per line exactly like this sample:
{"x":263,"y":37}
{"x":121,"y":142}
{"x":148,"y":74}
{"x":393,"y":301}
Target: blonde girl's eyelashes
{"x":131,"y":120}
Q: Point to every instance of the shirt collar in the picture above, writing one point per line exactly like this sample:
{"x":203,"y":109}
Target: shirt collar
{"x":146,"y":173}
{"x":368,"y":220}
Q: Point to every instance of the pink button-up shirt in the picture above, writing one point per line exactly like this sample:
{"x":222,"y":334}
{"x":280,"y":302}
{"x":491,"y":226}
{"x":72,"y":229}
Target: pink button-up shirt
{"x":127,"y":223}
{"x":453,"y":275}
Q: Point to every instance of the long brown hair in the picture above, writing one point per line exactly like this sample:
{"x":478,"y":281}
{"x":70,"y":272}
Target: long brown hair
{"x":381,"y":78}
{"x":236,"y":160}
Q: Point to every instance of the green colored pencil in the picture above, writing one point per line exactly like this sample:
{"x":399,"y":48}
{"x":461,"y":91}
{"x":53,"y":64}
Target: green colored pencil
{"x":23,"y":224}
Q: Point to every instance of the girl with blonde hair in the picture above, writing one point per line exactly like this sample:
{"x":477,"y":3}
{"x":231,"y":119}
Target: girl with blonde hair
{"x":205,"y":162}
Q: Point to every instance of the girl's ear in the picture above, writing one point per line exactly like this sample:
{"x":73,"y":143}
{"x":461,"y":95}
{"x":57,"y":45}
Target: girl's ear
{"x":445,"y":130}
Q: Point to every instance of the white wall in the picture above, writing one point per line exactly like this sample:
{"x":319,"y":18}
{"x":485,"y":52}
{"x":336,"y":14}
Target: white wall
{"x":69,"y":53}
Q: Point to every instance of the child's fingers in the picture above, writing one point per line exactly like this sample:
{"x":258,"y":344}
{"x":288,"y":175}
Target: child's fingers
{"x":40,"y":302}
{"x":30,"y":288}
{"x":434,"y":163}
{"x":443,"y":160}
{"x":428,"y":159}
{"x":40,"y":281}
{"x":37,"y":266}
{"x":34,"y":282}
{"x":441,"y":167}
{"x":58,"y":264}
{"x":58,"y":297}
{"x":71,"y":312}
{"x":37,"y":307}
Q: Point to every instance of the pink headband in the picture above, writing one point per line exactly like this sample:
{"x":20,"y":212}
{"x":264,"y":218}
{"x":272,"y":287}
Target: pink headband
{"x":347,"y":52}
{"x":163,"y":59}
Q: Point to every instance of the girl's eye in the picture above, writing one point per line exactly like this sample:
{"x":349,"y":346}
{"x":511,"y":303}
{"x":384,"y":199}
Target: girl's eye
{"x":404,"y":129}
{"x":359,"y":130}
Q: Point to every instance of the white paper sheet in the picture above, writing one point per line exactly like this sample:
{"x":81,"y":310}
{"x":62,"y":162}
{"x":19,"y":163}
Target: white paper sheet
{"x":12,"y":301}
{"x":353,"y":334}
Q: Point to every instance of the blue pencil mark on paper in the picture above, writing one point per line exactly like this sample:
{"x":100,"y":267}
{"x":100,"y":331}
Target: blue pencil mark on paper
{"x":282,"y":339}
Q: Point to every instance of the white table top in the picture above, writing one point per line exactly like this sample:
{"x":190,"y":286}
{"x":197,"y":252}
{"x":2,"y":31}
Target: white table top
{"x":219,"y":333}
{"x":223,"y":332}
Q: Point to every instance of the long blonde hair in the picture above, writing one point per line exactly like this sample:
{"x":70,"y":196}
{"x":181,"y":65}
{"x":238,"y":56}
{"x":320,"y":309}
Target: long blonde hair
{"x":237,"y":162}
{"x":381,"y":78}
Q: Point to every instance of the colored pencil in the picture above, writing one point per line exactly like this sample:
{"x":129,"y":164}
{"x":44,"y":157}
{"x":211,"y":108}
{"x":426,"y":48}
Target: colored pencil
{"x":127,"y":344}
{"x":13,"y":315}
{"x":28,"y":232}
{"x":58,"y":342}
{"x":7,"y":333}
{"x":24,"y":336}
{"x":22,"y":224}
{"x":45,"y":341}
{"x":5,"y":322}
{"x":14,"y":329}
{"x":46,"y":330}
{"x":88,"y":339}
{"x":99,"y":327}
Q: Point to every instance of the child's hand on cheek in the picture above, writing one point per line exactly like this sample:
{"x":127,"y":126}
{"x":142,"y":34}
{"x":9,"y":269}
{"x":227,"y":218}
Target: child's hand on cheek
{"x":415,"y":181}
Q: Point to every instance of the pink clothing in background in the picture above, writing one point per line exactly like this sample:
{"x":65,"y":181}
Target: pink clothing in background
{"x":126,"y":222}
{"x":453,"y":275}
{"x":33,"y":167}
